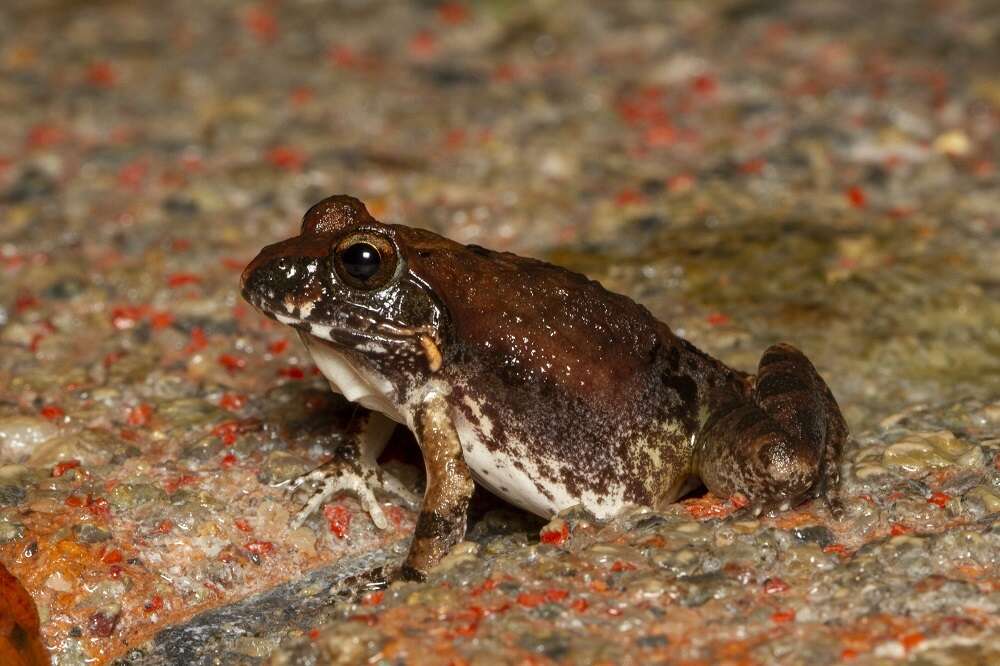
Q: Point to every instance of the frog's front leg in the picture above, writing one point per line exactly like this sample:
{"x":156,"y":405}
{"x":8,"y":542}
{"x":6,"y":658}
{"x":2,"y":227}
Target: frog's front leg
{"x":354,"y":468}
{"x":442,"y":519}
{"x":781,"y":445}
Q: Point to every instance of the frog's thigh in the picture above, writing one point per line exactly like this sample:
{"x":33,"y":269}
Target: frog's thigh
{"x":442,"y":519}
{"x":781,"y":446}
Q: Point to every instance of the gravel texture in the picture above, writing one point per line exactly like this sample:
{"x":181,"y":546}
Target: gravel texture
{"x":751,"y":170}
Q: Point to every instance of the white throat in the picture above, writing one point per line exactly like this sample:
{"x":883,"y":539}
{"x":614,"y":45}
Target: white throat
{"x":354,"y":381}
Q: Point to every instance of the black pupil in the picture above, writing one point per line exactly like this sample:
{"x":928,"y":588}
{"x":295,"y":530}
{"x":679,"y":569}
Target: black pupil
{"x":361,"y":261}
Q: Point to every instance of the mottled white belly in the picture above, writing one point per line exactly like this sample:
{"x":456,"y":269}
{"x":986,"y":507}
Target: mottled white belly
{"x":495,"y":470}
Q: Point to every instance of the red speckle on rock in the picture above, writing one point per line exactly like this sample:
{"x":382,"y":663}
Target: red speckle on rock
{"x":396,"y":515}
{"x":291,"y":372}
{"x":454,"y":139}
{"x":618,"y":566}
{"x":36,"y":341}
{"x":262,"y":24}
{"x":61,"y":468}
{"x":286,"y":157}
{"x":260,"y":548}
{"x":182,"y":279}
{"x":102,"y":625}
{"x":898,"y":529}
{"x":231,"y":362}
{"x":198,"y":340}
{"x":783,"y":616}
{"x":705,"y":84}
{"x":228,"y":461}
{"x":343,"y":56}
{"x":856,"y":197}
{"x":44,"y":136}
{"x":232,"y":401}
{"x":660,"y":135}
{"x":775,"y":586}
{"x":154,"y":604}
{"x":338,"y":518}
{"x":302,"y":95}
{"x":530,"y":599}
{"x":242,"y":525}
{"x":132,"y":175}
{"x":98,"y":507}
{"x":24,"y":302}
{"x":939,"y":499}
{"x":505,"y":73}
{"x":234,"y":264}
{"x":485,"y":586}
{"x":628,"y":196}
{"x":717,"y":319}
{"x":171,"y":485}
{"x":125,"y":317}
{"x":180,"y":245}
{"x":101,"y":75}
{"x":753,"y":166}
{"x":556,"y":537}
{"x":278,"y":346}
{"x":423,"y":44}
{"x":680,"y":183}
{"x":139,"y":415}
{"x":52,"y":412}
{"x":453,"y":13}
{"x":643,"y":107}
{"x":113,"y":556}
{"x":227,"y":432}
{"x":373,"y":598}
{"x":160,"y":319}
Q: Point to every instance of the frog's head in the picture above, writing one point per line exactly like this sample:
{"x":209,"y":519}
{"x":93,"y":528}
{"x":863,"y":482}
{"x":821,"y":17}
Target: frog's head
{"x":345,"y":284}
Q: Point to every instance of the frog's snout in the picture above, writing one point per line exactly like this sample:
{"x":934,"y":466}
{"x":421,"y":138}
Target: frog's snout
{"x":275,"y":281}
{"x":282,"y":269}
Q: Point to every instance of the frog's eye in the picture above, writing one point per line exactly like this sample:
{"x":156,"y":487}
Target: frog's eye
{"x":365,"y":261}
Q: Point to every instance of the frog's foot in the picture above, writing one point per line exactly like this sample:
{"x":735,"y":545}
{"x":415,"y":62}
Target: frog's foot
{"x":358,"y":478}
{"x":781,"y":446}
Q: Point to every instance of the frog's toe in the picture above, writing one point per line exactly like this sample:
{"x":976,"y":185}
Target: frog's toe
{"x":763,"y":507}
{"x":834,"y":506}
{"x":291,"y":486}
{"x":394,"y":486}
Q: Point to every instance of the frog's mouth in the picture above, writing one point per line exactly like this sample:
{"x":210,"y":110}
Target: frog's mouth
{"x":365,"y":335}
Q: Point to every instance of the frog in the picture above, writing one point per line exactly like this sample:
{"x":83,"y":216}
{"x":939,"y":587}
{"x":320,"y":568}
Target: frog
{"x":533,"y":381}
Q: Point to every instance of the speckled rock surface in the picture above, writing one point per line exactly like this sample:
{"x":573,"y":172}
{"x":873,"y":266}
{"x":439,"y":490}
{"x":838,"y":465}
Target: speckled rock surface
{"x":752,"y":171}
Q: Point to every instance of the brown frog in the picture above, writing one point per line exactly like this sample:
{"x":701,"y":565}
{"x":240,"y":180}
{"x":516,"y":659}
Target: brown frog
{"x":535,"y":381}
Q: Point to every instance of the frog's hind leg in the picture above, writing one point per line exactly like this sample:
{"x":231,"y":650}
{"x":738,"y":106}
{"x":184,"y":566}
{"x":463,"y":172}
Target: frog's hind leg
{"x":782,"y":445}
{"x":353,"y":468}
